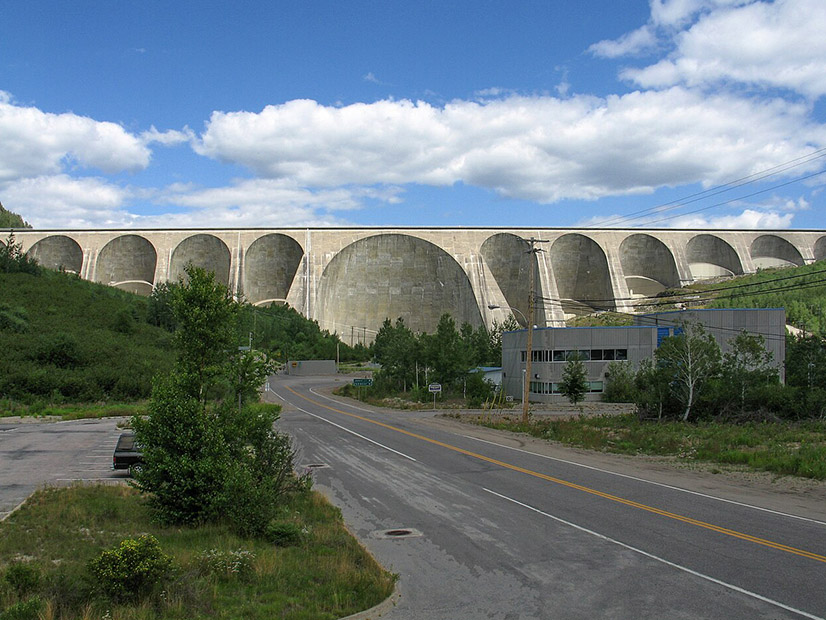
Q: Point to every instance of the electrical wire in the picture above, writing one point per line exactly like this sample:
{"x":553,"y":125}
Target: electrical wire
{"x":721,"y":189}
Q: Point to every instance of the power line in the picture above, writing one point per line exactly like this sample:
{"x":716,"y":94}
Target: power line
{"x":721,"y":189}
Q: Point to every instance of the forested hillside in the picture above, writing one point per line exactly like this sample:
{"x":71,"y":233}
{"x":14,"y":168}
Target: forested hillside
{"x":11,"y":220}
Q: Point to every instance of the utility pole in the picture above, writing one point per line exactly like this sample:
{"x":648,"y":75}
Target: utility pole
{"x":526,"y":387}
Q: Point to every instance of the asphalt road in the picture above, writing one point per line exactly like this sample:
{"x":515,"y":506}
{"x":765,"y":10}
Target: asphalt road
{"x":507,"y":529}
{"x":34,"y":454}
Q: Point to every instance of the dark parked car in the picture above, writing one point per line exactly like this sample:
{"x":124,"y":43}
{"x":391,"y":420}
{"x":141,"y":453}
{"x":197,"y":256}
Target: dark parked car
{"x":127,"y":454}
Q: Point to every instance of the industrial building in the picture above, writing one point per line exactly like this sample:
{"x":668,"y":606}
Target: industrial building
{"x":599,"y":346}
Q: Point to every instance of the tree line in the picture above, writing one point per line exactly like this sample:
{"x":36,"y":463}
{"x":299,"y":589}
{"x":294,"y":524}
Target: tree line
{"x":689,"y":378}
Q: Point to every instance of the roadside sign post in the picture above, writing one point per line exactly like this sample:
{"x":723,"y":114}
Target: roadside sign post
{"x":434,"y":388}
{"x":360,"y":383}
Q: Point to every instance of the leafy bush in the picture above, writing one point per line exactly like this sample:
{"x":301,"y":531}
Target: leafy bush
{"x":13,"y":319}
{"x":24,"y":610}
{"x":284,"y":533}
{"x":132,"y":570}
{"x":619,"y":383}
{"x":23,"y":578}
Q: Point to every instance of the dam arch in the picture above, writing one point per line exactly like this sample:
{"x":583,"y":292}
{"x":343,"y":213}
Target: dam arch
{"x":58,"y":252}
{"x":202,"y":250}
{"x":769,"y":251}
{"x":648,"y":264}
{"x":392,"y":275}
{"x":270,"y":265}
{"x":580,"y":269}
{"x":709,"y":256}
{"x":128,"y":262}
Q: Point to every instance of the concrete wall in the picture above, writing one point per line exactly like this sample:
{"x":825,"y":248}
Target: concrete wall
{"x":351,"y":279}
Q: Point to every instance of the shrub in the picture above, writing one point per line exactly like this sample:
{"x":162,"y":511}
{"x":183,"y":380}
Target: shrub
{"x":24,"y":610}
{"x":619,"y":383}
{"x":23,"y":578}
{"x":284,"y":533}
{"x":132,"y":570}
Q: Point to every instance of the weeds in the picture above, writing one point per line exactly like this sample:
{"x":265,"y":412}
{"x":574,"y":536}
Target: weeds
{"x":218,"y":574}
{"x":784,"y":448}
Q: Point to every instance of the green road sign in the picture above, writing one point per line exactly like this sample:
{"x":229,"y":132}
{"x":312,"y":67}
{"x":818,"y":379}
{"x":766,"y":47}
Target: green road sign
{"x":362,"y":382}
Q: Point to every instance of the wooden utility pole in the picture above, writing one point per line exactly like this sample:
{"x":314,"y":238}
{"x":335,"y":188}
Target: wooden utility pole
{"x":526,"y":388}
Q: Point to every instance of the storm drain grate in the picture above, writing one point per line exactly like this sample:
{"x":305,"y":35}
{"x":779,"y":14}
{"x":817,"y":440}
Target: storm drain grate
{"x":397,"y":533}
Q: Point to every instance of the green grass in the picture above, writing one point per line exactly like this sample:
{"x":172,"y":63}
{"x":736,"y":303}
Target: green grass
{"x":40,"y":409}
{"x":58,"y":531}
{"x":68,"y":341}
{"x":783,"y":448}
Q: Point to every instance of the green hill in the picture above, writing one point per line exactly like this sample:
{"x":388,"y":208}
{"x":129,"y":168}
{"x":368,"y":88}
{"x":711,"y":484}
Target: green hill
{"x":11,"y":220}
{"x":66,"y":340}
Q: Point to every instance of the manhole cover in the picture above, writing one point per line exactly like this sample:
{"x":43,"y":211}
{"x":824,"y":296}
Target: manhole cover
{"x":397,"y":533}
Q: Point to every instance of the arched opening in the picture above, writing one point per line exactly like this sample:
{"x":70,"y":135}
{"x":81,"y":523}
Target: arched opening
{"x":205,"y":251}
{"x":711,"y":257}
{"x":769,"y":251}
{"x":581,"y":273}
{"x":509,"y":259}
{"x":392,"y":276}
{"x":270,"y":265}
{"x":58,"y":252}
{"x":128,"y":263}
{"x":648,"y":265}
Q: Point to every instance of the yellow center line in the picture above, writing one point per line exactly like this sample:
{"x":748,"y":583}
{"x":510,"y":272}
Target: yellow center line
{"x":578,"y":487}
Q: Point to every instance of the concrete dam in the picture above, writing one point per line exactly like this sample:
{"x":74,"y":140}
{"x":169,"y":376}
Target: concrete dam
{"x":351,"y":279}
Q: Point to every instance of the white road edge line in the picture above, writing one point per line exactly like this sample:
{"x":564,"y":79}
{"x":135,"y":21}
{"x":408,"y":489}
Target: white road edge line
{"x":659,"y":559}
{"x":347,"y":430}
{"x":659,"y":484}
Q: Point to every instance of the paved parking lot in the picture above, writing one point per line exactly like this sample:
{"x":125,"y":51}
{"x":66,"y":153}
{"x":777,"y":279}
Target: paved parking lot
{"x":34,"y":454}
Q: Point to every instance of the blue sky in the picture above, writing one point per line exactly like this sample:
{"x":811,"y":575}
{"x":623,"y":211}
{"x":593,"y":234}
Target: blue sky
{"x":555,"y":113}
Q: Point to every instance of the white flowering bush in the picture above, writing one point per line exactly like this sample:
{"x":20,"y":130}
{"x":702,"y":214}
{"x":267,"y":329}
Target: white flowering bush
{"x":226,"y":564}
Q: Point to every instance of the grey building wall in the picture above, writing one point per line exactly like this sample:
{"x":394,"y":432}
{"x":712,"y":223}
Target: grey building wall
{"x":631,"y":343}
{"x":726,"y":323}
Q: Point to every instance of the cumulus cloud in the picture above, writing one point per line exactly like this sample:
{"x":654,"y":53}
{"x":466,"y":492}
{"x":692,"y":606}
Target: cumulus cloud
{"x":635,"y":42}
{"x":536,"y":148}
{"x":762,"y":44}
{"x":34,"y":143}
{"x":61,"y":201}
{"x":167,"y":138}
{"x":750,"y":219}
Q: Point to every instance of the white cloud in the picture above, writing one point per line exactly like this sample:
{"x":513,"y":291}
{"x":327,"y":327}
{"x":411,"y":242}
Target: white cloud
{"x":167,"y":138}
{"x":634,"y":42}
{"x":762,"y":44}
{"x":749,"y":219}
{"x":34,"y":143}
{"x":536,"y":148}
{"x":61,"y":201}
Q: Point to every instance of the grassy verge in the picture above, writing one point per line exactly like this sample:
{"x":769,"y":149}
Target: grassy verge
{"x":796,"y":449}
{"x":71,"y":412}
{"x":327,"y":574}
